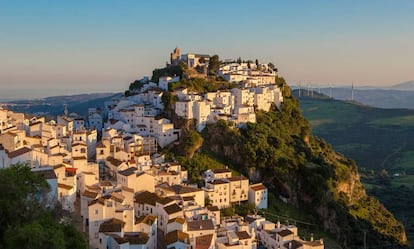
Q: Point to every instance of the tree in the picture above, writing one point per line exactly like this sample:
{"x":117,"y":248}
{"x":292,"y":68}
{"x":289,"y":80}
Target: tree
{"x":25,"y":222}
{"x":20,"y":188}
{"x":257,"y":62}
{"x":213,"y":65}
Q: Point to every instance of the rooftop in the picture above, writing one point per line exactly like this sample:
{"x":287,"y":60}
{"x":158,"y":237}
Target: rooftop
{"x":146,"y":197}
{"x":204,"y":242}
{"x":200,"y":225}
{"x":180,"y":189}
{"x":128,"y":172}
{"x":47,"y":174}
{"x":176,"y":236}
{"x":146,"y":219}
{"x":173,"y":208}
{"x":113,"y":225}
{"x":19,"y":152}
{"x":285,"y":233}
{"x":218,"y":171}
{"x":258,"y":187}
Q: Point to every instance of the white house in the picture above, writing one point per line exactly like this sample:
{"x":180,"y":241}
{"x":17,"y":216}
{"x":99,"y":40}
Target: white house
{"x":258,"y":195}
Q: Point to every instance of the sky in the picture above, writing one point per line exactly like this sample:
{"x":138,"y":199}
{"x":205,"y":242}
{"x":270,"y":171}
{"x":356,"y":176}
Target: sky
{"x":101,"y":46}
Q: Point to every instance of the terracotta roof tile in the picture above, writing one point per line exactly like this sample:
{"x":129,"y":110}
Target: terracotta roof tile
{"x":172,"y":209}
{"x":204,"y":242}
{"x":19,"y":152}
{"x":47,"y":174}
{"x":257,"y":187}
{"x":89,"y":194}
{"x":147,"y":219}
{"x":284,"y":233}
{"x":200,"y":225}
{"x":113,"y":225}
{"x":176,"y":236}
{"x":243,"y":235}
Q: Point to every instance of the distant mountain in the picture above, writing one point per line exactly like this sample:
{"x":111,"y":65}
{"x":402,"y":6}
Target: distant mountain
{"x":52,"y":106}
{"x":382,"y":98}
{"x":405,"y":86}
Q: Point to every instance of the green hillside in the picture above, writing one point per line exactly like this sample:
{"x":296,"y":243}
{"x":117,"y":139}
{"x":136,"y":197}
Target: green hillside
{"x":281,"y":151}
{"x":375,"y":138}
{"x":382,"y":143}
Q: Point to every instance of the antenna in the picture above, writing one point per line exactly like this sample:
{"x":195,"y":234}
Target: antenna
{"x":66,"y":110}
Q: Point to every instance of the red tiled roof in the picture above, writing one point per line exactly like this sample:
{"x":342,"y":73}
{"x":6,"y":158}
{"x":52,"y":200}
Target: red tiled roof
{"x":258,"y":187}
{"x":204,"y":242}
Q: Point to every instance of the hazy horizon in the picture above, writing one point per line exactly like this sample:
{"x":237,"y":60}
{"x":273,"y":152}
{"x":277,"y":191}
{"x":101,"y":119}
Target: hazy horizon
{"x":11,"y":94}
{"x":104,"y":43}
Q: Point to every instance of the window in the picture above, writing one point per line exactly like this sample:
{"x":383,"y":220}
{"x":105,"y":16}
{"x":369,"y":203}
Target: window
{"x":96,"y":211}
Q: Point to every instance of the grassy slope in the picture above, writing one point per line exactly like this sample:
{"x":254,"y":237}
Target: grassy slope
{"x":376,"y":139}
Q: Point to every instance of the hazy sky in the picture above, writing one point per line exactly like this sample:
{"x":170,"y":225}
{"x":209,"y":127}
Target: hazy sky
{"x":104,"y":45}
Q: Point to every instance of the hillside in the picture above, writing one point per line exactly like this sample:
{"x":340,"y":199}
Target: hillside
{"x":375,"y":138}
{"x":380,"y":141}
{"x":281,"y":151}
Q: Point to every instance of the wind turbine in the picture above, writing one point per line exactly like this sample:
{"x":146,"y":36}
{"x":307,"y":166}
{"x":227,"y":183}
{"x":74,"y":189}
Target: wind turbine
{"x":352,"y":94}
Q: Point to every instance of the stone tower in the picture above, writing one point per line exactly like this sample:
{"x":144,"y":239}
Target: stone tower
{"x":175,"y":56}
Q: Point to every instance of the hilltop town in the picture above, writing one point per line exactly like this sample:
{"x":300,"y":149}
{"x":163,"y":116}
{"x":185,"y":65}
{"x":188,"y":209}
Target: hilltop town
{"x":110,"y":169}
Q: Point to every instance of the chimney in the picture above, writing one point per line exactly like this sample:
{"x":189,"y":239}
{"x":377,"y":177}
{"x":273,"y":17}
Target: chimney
{"x":278,"y":224}
{"x":311,"y":238}
{"x":321,"y":241}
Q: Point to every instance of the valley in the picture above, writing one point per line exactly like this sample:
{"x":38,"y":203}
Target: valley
{"x":381,"y":141}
